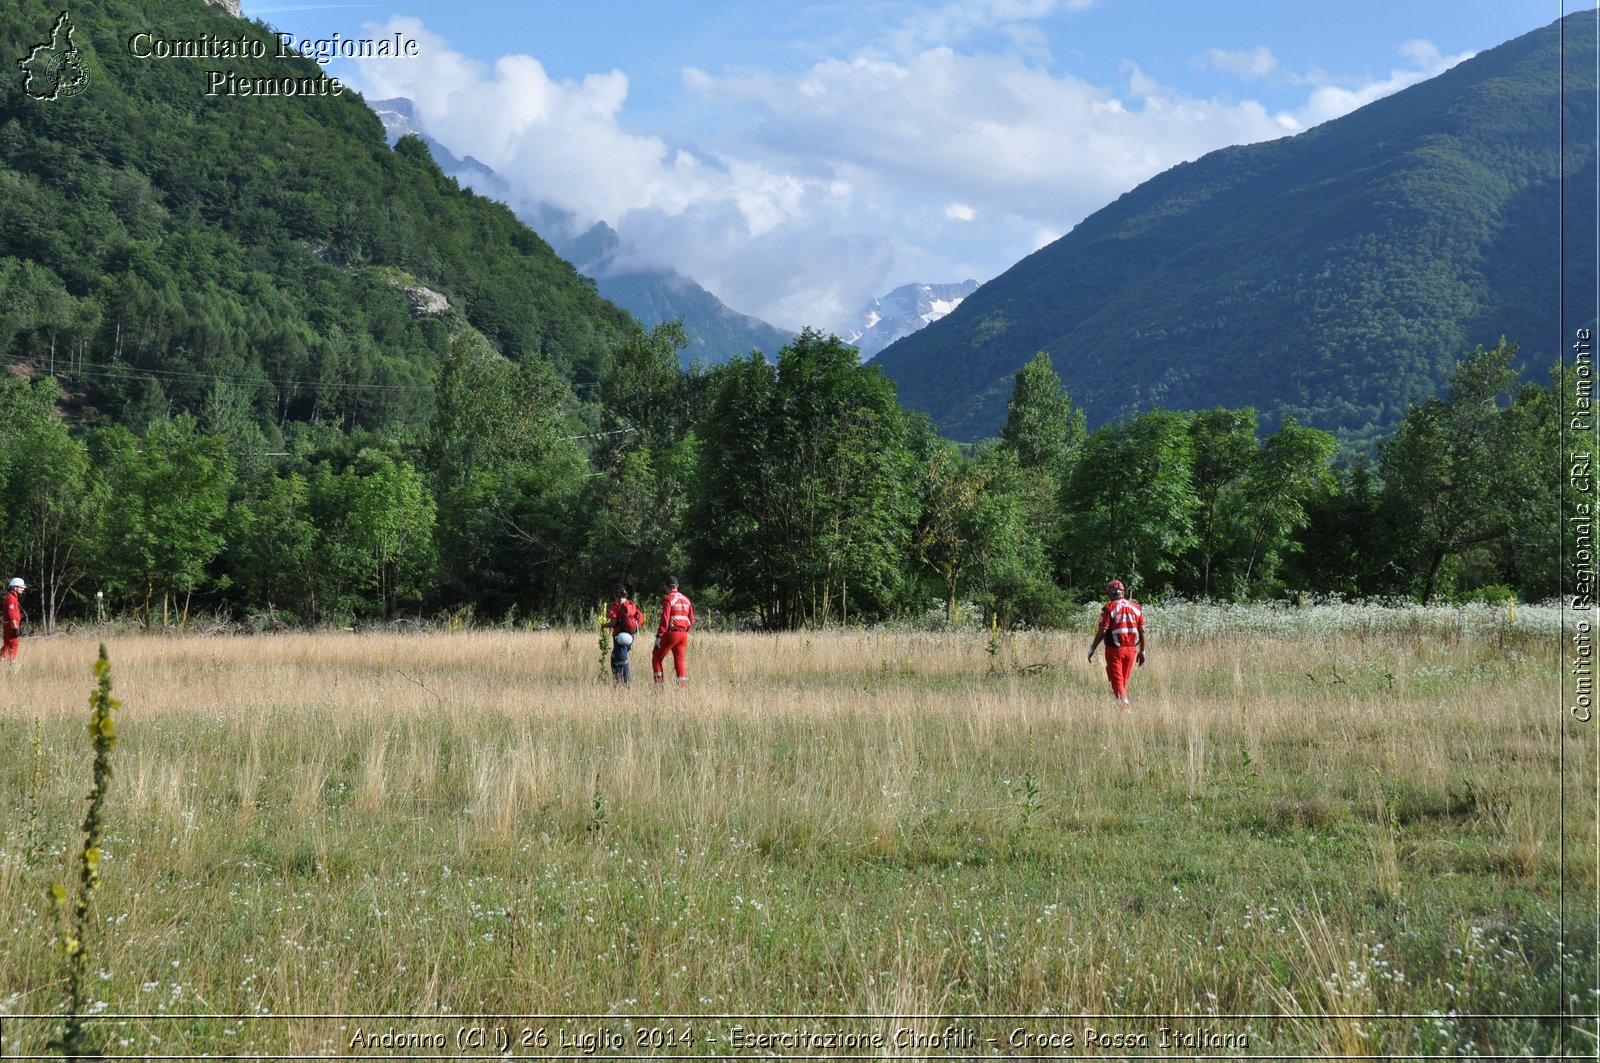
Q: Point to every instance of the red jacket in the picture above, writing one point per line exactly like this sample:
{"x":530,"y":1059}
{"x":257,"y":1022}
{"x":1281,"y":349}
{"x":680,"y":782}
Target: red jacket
{"x":1122,"y":622}
{"x":677,"y":613}
{"x":11,"y":616}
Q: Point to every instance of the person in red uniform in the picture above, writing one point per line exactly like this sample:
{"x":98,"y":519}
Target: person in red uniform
{"x":1122,"y":630}
{"x":672,"y":634}
{"x":11,"y":619}
{"x":625,"y":620}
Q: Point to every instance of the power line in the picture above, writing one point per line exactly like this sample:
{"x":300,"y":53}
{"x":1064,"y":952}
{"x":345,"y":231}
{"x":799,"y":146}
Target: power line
{"x":115,"y":369}
{"x":107,"y":369}
{"x":595,"y":435}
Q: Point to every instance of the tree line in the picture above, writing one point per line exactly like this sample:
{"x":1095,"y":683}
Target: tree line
{"x":785,"y":492}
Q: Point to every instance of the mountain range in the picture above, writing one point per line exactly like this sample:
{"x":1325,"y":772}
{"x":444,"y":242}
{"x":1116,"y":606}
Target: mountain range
{"x":1333,"y":276}
{"x":715,"y":331}
{"x":157,"y":243}
{"x":902,"y":312}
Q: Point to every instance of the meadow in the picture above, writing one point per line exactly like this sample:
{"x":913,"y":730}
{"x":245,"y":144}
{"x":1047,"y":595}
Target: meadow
{"x":1333,"y":831}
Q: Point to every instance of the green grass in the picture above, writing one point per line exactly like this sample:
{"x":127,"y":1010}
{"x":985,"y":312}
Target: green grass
{"x":296,"y":827}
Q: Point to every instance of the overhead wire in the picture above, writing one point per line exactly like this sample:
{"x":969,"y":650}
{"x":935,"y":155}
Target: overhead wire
{"x":74,"y":367}
{"x":108,"y":369}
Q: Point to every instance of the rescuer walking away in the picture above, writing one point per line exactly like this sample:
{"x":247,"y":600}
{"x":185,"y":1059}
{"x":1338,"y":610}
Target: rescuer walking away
{"x":1122,"y":630}
{"x":672,"y":634}
{"x":625,"y":620}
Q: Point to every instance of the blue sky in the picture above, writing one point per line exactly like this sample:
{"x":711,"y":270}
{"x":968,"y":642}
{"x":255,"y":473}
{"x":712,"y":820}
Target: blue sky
{"x":800,"y":159}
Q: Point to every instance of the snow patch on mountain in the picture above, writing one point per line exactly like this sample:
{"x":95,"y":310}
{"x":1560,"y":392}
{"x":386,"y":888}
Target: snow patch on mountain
{"x":900,"y":313}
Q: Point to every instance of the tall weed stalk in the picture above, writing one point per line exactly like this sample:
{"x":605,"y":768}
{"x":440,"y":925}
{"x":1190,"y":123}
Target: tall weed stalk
{"x":74,"y":1040}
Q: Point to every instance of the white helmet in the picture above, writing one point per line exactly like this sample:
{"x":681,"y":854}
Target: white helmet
{"x":623,"y":639}
{"x":16,"y":581}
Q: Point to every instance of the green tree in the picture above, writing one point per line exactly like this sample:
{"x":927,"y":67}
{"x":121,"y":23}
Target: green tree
{"x":508,"y":482}
{"x":513,"y":536}
{"x":643,"y":388}
{"x":1529,"y":556}
{"x":51,"y":501}
{"x":396,"y":515}
{"x":1045,"y":435}
{"x":1290,"y":467}
{"x":974,"y":533}
{"x":948,"y":536}
{"x":1225,"y":449}
{"x":1450,"y":472}
{"x":865,"y":505}
{"x":375,"y":523}
{"x":741,"y":495}
{"x":229,"y":413}
{"x":1345,"y":547}
{"x":1042,"y":428}
{"x":639,"y":506}
{"x":1130,"y":504}
{"x":804,"y":505}
{"x":1018,"y":581}
{"x":646,"y":454}
{"x":273,"y":557}
{"x":166,"y":497}
{"x":490,"y":411}
{"x":40,"y":320}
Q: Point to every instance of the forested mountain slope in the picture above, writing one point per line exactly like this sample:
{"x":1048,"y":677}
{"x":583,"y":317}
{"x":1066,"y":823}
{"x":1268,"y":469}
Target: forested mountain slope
{"x":1333,"y":276}
{"x":159,"y":234}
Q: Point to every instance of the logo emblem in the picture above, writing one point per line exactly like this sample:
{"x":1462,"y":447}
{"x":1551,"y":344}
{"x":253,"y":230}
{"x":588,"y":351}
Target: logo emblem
{"x":54,"y":70}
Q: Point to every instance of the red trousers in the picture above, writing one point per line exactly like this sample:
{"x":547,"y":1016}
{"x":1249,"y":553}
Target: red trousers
{"x":1119,"y":665}
{"x":8,"y":646}
{"x":675,"y":643}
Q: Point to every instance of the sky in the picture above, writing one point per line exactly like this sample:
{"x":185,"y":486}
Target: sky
{"x":800,"y":159}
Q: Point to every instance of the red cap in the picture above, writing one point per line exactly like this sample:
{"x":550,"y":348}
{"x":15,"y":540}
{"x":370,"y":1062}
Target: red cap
{"x":1115,"y":587}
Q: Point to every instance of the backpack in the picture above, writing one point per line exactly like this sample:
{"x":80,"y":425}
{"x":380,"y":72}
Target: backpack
{"x":633,"y":619}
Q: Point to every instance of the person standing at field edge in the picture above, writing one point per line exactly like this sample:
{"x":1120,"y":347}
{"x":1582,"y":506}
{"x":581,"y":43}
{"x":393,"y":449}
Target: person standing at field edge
{"x":672,"y":634}
{"x":626,"y":620}
{"x":1122,"y":630}
{"x":11,"y":619}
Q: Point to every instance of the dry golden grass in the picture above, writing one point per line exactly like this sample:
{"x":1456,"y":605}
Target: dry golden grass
{"x":834,"y":821}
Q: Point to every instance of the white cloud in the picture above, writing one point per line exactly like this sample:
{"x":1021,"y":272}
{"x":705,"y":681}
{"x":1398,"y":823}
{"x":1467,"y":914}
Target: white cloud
{"x":708,"y":215}
{"x":813,"y":192}
{"x":1330,"y":101}
{"x":794,"y":274}
{"x":954,"y":22}
{"x":1043,"y":238}
{"x":541,"y":133}
{"x":985,"y":131}
{"x":1247,"y":65}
